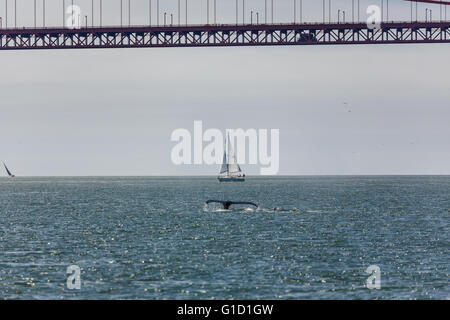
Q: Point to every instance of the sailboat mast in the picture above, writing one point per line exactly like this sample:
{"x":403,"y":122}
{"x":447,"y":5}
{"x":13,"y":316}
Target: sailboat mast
{"x":228,"y":154}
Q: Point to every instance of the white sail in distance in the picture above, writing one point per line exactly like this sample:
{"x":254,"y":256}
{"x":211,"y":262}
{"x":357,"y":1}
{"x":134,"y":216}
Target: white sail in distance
{"x":233,"y":166}
{"x":230,"y":170}
{"x":224,"y":168}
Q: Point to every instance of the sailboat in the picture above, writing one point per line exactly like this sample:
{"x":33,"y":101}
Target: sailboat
{"x":230,"y":170}
{"x":8,"y":172}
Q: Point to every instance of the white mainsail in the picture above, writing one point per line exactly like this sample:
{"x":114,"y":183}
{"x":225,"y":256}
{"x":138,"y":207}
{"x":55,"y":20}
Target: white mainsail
{"x":233,"y":166}
{"x":230,"y":166}
{"x":224,"y":168}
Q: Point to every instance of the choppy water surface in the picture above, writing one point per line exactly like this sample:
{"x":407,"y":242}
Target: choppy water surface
{"x":153,"y":238}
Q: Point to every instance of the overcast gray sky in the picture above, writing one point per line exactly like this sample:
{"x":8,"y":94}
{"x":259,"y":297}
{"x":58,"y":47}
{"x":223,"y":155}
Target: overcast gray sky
{"x":379,"y":109}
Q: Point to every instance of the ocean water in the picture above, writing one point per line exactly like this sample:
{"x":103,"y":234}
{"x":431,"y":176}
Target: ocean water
{"x":154,"y":238}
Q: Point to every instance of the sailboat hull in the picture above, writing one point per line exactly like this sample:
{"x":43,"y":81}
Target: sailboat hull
{"x":231,"y":179}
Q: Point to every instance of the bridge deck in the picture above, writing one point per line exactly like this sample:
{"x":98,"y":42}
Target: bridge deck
{"x":224,"y":35}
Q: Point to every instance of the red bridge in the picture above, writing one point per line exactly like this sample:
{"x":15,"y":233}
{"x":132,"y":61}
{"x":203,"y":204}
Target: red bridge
{"x":326,"y":32}
{"x":224,"y":35}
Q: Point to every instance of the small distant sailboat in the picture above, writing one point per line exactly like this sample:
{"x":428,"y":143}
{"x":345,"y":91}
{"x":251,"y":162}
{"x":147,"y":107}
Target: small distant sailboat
{"x":230,"y":170}
{"x":8,"y":172}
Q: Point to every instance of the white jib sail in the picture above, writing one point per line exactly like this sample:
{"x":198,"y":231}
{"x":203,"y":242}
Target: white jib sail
{"x":224,"y":168}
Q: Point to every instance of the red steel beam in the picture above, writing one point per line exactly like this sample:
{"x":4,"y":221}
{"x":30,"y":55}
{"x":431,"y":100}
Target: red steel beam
{"x":445,"y":3}
{"x":224,"y":35}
